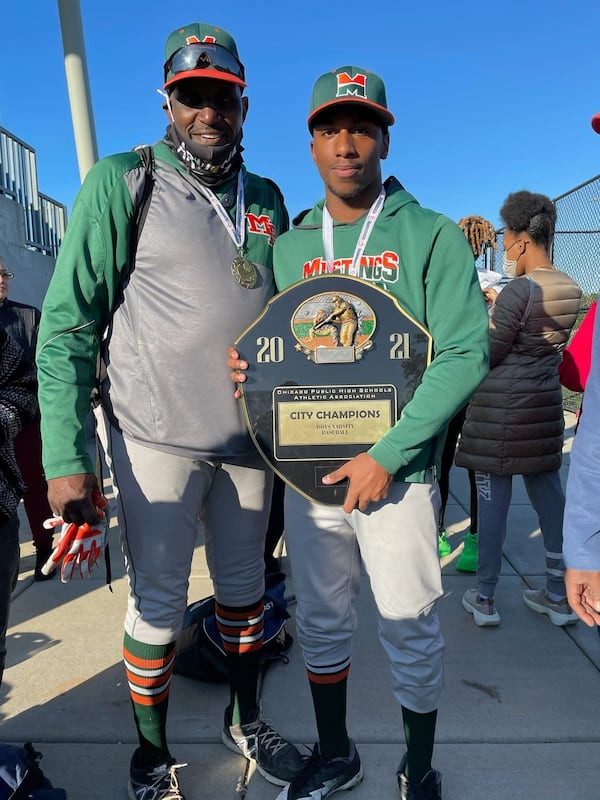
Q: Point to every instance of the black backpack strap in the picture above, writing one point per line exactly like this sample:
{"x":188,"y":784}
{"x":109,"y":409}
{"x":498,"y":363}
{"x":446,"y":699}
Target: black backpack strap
{"x":139,"y":218}
{"x":100,"y":479}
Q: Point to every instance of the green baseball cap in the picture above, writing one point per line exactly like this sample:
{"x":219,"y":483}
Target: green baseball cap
{"x":350,"y":85}
{"x":199,"y":50}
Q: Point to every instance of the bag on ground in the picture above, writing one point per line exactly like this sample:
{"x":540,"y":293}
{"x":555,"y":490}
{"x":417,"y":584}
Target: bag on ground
{"x":21,"y":777}
{"x":199,"y":651}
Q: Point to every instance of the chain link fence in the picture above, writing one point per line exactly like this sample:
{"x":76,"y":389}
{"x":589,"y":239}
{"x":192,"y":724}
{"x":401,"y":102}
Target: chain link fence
{"x":577,"y":249}
{"x":577,"y":237}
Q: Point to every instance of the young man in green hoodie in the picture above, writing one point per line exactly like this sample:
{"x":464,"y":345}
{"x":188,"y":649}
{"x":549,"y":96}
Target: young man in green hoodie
{"x":377,"y":231}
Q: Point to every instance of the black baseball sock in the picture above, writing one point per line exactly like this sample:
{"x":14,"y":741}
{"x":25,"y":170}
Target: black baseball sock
{"x":419,"y":731}
{"x":329,"y":700}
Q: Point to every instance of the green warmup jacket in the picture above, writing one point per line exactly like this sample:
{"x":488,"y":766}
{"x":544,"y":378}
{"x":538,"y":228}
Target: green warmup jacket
{"x":424,"y":260}
{"x":169,"y":316}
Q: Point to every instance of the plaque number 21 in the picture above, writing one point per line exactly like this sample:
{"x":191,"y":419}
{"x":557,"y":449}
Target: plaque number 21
{"x":400,"y":345}
{"x":269,"y":349}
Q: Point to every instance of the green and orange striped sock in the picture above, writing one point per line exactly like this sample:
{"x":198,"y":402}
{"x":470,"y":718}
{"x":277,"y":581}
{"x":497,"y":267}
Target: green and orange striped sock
{"x":242,"y":630}
{"x":149,"y":668}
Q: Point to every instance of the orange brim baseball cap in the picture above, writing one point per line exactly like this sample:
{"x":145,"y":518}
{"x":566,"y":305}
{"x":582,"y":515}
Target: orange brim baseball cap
{"x":199,"y":50}
{"x":350,"y":85}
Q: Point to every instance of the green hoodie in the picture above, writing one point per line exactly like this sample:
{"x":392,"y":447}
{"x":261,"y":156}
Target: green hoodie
{"x":423,"y":259}
{"x":170,"y":315}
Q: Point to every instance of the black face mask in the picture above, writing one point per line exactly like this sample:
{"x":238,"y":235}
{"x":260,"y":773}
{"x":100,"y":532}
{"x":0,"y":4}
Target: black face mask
{"x":211,"y":165}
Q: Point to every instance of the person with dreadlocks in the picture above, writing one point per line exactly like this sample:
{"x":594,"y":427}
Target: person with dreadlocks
{"x":481,"y":236}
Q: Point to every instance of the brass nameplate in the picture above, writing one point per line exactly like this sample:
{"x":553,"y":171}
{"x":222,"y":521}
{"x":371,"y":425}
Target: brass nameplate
{"x":334,"y":355}
{"x":331,"y":416}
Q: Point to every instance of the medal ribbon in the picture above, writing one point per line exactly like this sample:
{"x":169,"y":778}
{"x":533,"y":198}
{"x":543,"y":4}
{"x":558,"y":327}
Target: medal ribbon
{"x":363,"y":238}
{"x":237,"y":232}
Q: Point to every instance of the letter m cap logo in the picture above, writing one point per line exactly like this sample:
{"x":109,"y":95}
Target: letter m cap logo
{"x":351,"y":87}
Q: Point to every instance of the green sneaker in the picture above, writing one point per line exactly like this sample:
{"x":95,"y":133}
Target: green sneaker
{"x":444,"y":546}
{"x":467,"y":561}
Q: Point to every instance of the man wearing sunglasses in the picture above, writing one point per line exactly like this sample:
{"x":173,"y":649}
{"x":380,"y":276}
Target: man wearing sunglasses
{"x":175,"y":439}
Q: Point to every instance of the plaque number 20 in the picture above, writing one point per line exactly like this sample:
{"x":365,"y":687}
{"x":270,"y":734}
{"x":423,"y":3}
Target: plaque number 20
{"x":400,"y":345}
{"x":269,"y":349}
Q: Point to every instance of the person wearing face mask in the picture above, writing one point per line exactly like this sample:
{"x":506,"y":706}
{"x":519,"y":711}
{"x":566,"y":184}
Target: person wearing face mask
{"x":514,"y":423}
{"x":176,"y":441}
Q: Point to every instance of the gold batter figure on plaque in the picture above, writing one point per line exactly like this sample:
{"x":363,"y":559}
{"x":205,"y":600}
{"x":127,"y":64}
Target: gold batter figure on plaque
{"x":344,"y":317}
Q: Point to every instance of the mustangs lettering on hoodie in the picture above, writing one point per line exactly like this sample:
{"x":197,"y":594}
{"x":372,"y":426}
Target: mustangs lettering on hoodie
{"x":376,"y":268}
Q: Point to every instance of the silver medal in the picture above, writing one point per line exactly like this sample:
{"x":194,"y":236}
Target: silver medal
{"x":244,"y":272}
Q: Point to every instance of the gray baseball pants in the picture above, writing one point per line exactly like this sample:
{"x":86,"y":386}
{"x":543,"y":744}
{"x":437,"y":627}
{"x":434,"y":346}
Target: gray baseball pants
{"x":397,"y":544}
{"x":162,"y":500}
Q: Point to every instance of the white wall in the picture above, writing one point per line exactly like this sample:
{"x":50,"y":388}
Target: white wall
{"x":32,"y":270}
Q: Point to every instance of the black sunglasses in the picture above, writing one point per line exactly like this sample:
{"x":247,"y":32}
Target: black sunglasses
{"x":197,"y":56}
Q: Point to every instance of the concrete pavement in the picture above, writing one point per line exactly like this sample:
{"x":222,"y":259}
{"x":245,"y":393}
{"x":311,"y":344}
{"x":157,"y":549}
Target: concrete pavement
{"x":519,"y":718}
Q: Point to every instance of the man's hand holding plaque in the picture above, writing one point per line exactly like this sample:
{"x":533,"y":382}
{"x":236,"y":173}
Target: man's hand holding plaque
{"x":368,"y":483}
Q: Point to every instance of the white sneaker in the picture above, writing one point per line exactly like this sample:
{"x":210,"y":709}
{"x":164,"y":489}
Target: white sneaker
{"x":560,"y":612}
{"x":277,"y":760}
{"x":484,"y":612}
{"x":156,"y":783}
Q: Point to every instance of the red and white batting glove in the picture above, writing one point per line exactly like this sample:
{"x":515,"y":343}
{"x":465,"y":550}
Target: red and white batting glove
{"x":80,"y":547}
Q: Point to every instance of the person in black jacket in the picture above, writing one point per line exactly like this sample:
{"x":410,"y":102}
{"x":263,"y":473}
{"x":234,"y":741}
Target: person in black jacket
{"x":18,"y":405}
{"x":515,"y":422}
{"x":21,"y":322}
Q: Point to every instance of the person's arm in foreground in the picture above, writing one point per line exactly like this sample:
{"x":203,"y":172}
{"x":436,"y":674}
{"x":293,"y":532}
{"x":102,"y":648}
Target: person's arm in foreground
{"x":581,"y":527}
{"x":583,"y":593}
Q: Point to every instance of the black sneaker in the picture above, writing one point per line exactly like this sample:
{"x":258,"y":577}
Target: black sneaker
{"x":320,"y":779}
{"x":430,"y":787}
{"x":157,"y":783}
{"x":276,"y":759}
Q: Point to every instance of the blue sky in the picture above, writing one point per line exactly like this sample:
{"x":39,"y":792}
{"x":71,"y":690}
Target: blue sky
{"x":489,"y":98}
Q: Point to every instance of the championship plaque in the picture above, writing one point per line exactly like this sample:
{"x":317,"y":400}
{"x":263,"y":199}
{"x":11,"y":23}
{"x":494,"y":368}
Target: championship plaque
{"x":333,"y":360}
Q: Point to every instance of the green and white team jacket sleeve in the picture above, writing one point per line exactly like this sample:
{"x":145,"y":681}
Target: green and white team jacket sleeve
{"x":92,"y":259}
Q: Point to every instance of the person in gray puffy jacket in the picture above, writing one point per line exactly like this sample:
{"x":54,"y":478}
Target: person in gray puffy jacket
{"x":514,"y":423}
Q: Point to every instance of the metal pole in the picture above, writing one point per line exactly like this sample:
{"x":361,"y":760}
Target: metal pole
{"x":78,"y":85}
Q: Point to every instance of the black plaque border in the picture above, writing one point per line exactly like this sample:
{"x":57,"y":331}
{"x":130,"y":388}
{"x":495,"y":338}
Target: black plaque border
{"x":335,"y":494}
